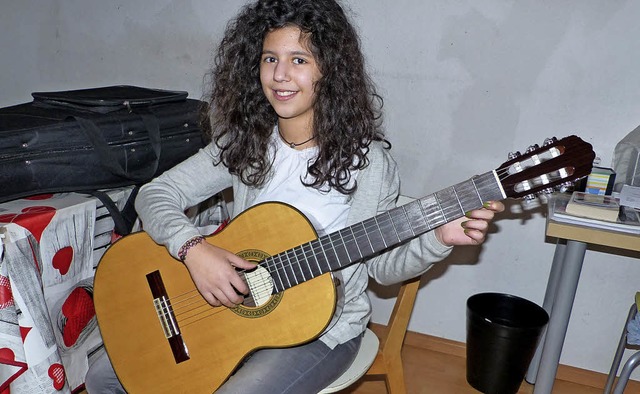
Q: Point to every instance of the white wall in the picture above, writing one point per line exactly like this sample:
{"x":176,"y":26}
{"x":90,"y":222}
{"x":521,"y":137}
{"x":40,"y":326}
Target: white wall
{"x":464,"y":83}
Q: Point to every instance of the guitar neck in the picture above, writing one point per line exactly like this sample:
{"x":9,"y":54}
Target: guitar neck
{"x":377,"y":234}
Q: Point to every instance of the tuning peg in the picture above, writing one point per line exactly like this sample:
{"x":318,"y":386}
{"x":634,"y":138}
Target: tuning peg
{"x":549,"y":141}
{"x":547,"y":190}
{"x":532,"y":148}
{"x":564,"y":187}
{"x":529,"y":197}
{"x":513,"y":155}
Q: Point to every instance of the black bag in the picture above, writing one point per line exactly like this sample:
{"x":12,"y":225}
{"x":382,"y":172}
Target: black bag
{"x":83,"y":140}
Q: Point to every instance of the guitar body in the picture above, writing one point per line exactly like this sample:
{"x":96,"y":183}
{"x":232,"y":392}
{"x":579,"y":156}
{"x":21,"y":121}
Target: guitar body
{"x":216,"y":338}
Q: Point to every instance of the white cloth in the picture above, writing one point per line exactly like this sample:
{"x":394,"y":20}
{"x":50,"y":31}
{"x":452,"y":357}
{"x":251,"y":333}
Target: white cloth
{"x":326,"y":209}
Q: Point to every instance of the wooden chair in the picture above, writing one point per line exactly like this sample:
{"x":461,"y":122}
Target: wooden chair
{"x":386,"y":363}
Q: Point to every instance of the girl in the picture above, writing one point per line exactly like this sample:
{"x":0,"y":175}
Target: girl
{"x":294,"y":118}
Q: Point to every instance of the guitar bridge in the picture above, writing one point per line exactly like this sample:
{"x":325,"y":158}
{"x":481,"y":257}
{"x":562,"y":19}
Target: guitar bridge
{"x":167,"y":318}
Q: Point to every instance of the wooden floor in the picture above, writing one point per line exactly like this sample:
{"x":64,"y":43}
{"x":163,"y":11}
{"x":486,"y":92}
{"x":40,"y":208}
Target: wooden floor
{"x":438,"y":366}
{"x":435,"y":366}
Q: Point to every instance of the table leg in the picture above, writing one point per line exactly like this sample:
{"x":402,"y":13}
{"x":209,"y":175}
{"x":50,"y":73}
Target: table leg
{"x":559,"y":320}
{"x":549,"y":298}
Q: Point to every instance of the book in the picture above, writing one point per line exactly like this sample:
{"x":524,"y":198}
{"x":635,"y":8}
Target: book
{"x":593,"y":206}
{"x":628,"y":219}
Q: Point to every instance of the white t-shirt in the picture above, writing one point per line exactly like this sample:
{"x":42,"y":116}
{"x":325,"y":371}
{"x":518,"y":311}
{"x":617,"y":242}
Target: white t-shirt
{"x":327,"y":210}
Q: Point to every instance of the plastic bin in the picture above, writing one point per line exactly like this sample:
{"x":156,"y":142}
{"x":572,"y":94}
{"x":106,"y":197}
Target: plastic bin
{"x":502,"y":334}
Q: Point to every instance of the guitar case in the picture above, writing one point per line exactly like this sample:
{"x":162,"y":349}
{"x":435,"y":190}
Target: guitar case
{"x":91,"y":139}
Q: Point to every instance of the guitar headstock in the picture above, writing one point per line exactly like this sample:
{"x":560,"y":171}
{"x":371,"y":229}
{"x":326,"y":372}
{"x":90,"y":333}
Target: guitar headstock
{"x":556,"y":164}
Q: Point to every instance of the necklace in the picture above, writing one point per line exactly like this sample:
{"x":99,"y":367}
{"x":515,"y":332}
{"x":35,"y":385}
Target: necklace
{"x":293,"y":145}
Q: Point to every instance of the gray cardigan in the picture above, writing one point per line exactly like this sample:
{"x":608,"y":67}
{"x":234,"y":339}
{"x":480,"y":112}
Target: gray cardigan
{"x":161,"y":204}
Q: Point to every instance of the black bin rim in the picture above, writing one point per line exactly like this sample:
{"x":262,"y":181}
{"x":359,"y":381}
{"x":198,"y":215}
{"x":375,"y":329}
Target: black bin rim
{"x":492,"y":306}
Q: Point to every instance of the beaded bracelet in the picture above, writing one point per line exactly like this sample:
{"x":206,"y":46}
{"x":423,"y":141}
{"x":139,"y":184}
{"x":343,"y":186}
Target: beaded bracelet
{"x":182,"y":253}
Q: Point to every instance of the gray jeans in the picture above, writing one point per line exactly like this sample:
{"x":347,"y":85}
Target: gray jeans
{"x":304,"y":369}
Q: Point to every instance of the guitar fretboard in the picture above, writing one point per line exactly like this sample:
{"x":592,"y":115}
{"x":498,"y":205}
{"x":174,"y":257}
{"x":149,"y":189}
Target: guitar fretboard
{"x":379,"y":233}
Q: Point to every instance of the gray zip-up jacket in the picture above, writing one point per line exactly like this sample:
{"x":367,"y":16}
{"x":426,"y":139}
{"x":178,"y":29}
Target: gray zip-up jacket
{"x":162,"y":202}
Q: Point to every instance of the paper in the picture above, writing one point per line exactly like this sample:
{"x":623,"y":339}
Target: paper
{"x":630,"y":196}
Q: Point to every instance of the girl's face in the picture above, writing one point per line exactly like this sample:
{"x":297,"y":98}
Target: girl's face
{"x":288,"y":73}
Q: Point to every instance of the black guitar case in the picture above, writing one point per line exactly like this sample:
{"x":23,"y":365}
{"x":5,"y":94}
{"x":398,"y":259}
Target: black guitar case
{"x":91,"y":139}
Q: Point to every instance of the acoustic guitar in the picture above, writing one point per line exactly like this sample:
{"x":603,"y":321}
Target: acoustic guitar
{"x":162,"y":336}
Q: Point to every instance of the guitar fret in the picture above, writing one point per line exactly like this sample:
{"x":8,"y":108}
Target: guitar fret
{"x":364,"y":240}
{"x":444,"y":196}
{"x":299,"y":266}
{"x":340,"y":251}
{"x":355,"y":242}
{"x":433,"y":216}
{"x":376,"y":240}
{"x":469,"y":200}
{"x":272,"y":267}
{"x":344,"y":244}
{"x":290,"y":272}
{"x":332,"y":256}
{"x":424,"y":215}
{"x":315,"y":257}
{"x":475,"y":187}
{"x":457,"y":196}
{"x":387,"y":229}
{"x":324,"y":253}
{"x":416,"y":217}
{"x":306,"y":260}
{"x":288,"y":263}
{"x":400,"y":222}
{"x":283,"y":269}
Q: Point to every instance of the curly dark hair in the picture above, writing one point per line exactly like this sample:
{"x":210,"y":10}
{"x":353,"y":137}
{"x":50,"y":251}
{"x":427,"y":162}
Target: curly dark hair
{"x":347,"y":108}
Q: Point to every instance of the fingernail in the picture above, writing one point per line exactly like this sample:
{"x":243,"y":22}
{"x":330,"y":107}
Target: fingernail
{"x":468,"y":214}
{"x":487,"y":204}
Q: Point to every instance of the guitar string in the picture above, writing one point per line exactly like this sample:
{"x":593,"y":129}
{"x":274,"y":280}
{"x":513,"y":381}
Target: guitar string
{"x":267,"y":285}
{"x":296,"y":254}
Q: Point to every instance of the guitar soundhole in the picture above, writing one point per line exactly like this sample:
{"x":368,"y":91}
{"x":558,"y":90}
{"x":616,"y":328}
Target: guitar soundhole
{"x":261,"y":300}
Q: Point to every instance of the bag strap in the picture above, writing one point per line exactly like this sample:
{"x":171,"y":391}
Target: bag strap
{"x":123,"y":220}
{"x":110,"y":161}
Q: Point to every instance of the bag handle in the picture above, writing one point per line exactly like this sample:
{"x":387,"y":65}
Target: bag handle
{"x":110,"y":161}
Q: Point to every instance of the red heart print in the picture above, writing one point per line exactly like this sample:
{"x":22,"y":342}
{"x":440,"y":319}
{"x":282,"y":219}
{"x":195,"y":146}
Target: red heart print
{"x":7,"y":355}
{"x":24,"y":331}
{"x":6,"y":297}
{"x":62,"y":259}
{"x":79,"y":310}
{"x":40,"y":197}
{"x":56,"y":373}
{"x":35,"y":219}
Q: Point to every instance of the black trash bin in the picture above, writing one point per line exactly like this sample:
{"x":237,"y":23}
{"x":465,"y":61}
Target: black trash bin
{"x":502,"y":334}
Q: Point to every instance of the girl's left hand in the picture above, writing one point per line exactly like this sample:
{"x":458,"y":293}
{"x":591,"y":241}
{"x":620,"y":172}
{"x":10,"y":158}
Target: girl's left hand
{"x":470,"y":229}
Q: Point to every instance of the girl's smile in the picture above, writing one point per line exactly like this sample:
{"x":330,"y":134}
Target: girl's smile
{"x":288,"y":73}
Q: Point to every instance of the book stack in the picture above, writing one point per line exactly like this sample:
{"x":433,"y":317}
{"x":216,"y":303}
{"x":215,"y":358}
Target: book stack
{"x":604,"y":212}
{"x":593,"y":206}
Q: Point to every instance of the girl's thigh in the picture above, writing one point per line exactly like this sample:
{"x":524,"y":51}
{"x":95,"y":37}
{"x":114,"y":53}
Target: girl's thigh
{"x":302,"y":369}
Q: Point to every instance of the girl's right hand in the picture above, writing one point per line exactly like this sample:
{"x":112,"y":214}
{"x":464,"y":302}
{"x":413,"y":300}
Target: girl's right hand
{"x":213,"y":270}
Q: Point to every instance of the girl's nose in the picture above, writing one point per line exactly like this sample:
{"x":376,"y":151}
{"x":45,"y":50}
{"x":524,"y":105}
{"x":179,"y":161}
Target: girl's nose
{"x":281,"y":72}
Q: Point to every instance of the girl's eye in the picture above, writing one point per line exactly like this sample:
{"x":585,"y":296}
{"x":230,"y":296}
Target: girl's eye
{"x":269,"y":59}
{"x":299,"y":61}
